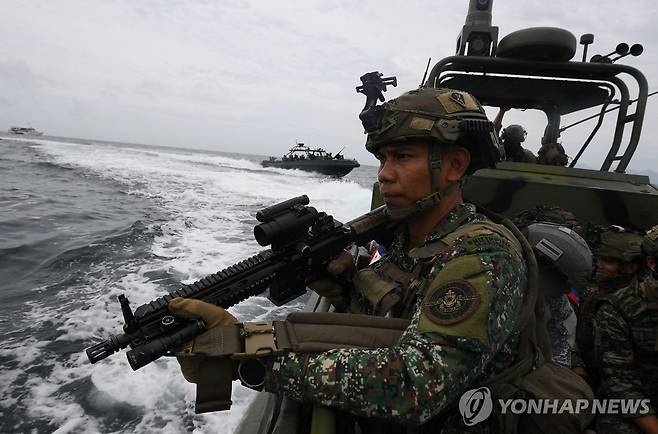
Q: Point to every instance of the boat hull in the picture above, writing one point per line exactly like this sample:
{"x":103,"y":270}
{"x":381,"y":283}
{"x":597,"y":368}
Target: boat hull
{"x":335,"y":168}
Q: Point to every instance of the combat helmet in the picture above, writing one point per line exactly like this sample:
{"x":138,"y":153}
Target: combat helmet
{"x":548,"y":214}
{"x":443,"y":116}
{"x":514,"y":134}
{"x":618,"y":243}
{"x":565,"y":250}
{"x":650,"y":242}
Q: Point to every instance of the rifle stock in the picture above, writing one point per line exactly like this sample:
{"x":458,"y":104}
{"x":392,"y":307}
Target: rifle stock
{"x":302,"y":241}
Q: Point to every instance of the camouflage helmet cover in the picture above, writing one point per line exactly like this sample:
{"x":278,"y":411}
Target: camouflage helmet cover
{"x":440,"y":115}
{"x":650,"y":242}
{"x":548,"y":214}
{"x":619,"y":244}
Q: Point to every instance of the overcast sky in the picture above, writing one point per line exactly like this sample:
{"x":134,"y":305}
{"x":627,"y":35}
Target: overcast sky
{"x":255,"y":76}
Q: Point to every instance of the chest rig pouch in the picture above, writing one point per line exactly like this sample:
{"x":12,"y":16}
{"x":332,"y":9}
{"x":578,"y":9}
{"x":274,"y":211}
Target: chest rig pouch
{"x":386,"y":288}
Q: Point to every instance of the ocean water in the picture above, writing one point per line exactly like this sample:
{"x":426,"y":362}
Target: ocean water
{"x":82,"y":222}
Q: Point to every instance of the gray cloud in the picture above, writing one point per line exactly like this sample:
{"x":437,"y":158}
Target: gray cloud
{"x":256,"y":76}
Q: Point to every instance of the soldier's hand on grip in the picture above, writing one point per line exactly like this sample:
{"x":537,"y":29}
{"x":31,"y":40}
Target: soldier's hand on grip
{"x":212,"y":315}
{"x":339,"y":271}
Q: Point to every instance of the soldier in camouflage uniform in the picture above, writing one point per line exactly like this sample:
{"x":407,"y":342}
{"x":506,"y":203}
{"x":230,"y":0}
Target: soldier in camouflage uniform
{"x":617,"y":258}
{"x":626,"y":345}
{"x":459,"y":278}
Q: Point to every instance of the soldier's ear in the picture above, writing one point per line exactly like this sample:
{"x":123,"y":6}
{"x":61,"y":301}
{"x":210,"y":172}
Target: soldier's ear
{"x":456,"y":160}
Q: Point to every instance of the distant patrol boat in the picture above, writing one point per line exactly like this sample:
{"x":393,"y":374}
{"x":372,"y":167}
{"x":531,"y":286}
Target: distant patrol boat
{"x":318,"y":160}
{"x":25,"y":131}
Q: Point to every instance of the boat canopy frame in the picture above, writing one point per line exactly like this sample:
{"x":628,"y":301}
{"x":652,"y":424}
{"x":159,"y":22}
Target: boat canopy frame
{"x":560,"y":87}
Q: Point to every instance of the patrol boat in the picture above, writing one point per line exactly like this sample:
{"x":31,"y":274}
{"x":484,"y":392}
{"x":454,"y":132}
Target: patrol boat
{"x":318,"y":160}
{"x":25,"y":131}
{"x":532,"y":69}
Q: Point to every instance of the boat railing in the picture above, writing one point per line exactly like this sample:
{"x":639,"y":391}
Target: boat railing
{"x":471,"y":69}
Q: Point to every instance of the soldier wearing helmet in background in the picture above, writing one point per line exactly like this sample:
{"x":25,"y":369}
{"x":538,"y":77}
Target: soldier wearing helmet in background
{"x":512,"y":137}
{"x":552,"y":154}
{"x":617,"y":263}
{"x":626,"y":347}
{"x":565,"y":262}
{"x":459,"y":277}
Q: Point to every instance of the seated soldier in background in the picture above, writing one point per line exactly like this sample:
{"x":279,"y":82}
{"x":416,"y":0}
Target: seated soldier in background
{"x":552,"y":154}
{"x":617,"y":257}
{"x":626,"y":347}
{"x":511,"y":138}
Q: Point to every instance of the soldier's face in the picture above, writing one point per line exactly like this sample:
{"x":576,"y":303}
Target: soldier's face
{"x":609,"y":268}
{"x":606,"y":268}
{"x":404,"y":175}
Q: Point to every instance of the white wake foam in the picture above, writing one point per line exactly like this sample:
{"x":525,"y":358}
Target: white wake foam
{"x":211,"y":201}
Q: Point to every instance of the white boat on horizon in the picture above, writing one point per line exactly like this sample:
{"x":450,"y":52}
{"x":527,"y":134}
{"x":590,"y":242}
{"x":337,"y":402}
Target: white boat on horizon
{"x":26,"y":131}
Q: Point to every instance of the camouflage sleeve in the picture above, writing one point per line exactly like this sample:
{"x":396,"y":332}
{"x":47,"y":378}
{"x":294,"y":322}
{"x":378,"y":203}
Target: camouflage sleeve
{"x":620,"y":377}
{"x":436,"y":359}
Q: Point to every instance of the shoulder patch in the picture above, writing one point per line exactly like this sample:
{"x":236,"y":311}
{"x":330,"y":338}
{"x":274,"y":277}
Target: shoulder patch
{"x":451,"y":302}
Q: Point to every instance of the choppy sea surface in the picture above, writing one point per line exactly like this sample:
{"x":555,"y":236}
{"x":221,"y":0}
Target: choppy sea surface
{"x":82,"y":222}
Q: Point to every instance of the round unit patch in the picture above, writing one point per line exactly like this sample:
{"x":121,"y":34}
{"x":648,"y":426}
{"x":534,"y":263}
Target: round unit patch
{"x":451,"y":302}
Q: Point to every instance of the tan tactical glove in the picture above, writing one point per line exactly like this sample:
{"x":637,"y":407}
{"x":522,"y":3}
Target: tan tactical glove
{"x":188,"y":355}
{"x":212,"y":315}
{"x":341,"y":268}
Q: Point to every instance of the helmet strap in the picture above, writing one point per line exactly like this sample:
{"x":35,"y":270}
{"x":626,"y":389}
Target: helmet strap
{"x":434,"y":162}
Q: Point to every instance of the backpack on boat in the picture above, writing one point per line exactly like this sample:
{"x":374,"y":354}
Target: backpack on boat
{"x":534,"y":376}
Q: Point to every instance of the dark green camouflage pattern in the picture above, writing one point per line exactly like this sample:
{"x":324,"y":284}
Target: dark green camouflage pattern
{"x":624,"y":246}
{"x":426,"y":372}
{"x":625,"y":343}
{"x":550,"y":214}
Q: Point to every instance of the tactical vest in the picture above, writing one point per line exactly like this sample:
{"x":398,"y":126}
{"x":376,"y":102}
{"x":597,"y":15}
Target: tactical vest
{"x":532,"y":375}
{"x":387,"y":289}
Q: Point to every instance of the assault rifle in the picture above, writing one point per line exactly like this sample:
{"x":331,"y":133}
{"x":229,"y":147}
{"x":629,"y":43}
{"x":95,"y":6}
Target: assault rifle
{"x":302,"y":241}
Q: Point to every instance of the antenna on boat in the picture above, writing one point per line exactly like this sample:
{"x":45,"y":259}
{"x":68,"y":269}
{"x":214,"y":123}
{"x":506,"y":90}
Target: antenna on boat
{"x":422,"y":82}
